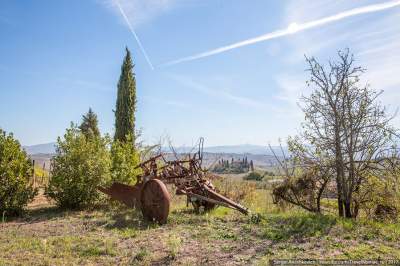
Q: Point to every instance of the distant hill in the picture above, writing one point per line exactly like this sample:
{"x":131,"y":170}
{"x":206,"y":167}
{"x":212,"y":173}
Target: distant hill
{"x":239,"y":149}
{"x":46,"y":148}
{"x":49,"y":148}
{"x":260,"y":155}
{"x":235,"y":149}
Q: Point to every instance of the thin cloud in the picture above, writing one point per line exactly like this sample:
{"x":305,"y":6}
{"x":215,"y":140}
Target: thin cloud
{"x":134,"y":34}
{"x":291,"y":29}
{"x":220,"y":93}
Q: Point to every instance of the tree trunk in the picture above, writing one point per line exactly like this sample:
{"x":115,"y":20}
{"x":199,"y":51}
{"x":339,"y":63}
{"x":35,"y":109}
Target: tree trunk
{"x":340,"y":206}
{"x":339,"y":168}
{"x":339,"y":191}
{"x":347,"y":209}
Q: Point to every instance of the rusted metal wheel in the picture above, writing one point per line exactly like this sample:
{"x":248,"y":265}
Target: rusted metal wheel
{"x":155,"y":201}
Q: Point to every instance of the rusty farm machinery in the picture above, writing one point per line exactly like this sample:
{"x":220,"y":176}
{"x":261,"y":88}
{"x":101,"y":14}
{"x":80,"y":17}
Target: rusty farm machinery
{"x":150,"y":194}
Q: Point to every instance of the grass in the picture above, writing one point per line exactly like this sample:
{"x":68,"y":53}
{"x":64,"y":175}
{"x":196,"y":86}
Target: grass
{"x":110,"y":235}
{"x":297,"y":226}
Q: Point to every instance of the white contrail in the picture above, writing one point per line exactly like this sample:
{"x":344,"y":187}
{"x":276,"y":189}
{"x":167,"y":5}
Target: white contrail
{"x":292,"y":28}
{"x":134,"y":34}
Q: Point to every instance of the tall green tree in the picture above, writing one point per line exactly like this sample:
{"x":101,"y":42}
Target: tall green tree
{"x":89,"y":125}
{"x":126,"y":102}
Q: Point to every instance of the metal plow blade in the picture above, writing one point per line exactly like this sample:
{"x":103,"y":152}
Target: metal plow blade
{"x":128,"y":195}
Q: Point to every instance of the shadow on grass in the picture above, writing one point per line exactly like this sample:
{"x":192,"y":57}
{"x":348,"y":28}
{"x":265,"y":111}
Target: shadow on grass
{"x":127,"y":218}
{"x":46,"y":213}
{"x":38,"y":215}
{"x":52,"y":212}
{"x":298,"y":226}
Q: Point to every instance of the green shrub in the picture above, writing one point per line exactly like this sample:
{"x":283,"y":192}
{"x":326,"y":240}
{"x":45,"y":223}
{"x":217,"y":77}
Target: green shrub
{"x":379,"y":197}
{"x":81,"y":164}
{"x":15,"y":171}
{"x":124,"y":159}
{"x":254,"y":176}
{"x":269,"y":173}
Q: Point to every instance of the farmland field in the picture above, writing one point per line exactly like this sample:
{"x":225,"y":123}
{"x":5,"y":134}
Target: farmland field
{"x":111,"y":234}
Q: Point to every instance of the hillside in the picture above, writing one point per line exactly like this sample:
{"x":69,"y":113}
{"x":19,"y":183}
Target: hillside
{"x":45,"y":148}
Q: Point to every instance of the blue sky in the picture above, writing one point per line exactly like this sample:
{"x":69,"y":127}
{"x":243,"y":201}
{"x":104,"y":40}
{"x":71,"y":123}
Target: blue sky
{"x":58,"y":58}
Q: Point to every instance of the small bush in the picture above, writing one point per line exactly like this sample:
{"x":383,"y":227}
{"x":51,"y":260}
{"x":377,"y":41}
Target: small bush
{"x":269,"y":173}
{"x":15,"y":171}
{"x":383,"y":212}
{"x":378,"y":197}
{"x":303,"y":190}
{"x":253,"y":176}
{"x":81,"y":165}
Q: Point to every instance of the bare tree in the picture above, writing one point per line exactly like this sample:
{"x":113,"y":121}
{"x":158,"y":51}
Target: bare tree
{"x":346,"y":122}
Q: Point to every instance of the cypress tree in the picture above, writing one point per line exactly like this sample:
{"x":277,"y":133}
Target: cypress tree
{"x":126,"y":102}
{"x":89,"y":125}
{"x":251,"y":166}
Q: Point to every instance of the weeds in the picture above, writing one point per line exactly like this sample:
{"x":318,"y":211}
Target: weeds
{"x":141,"y":256}
{"x":174,"y":244}
{"x":127,"y":233}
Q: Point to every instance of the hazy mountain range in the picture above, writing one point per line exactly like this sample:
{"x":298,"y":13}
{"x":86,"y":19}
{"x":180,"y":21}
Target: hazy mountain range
{"x":46,"y":148}
{"x":49,"y":148}
{"x":260,"y":155}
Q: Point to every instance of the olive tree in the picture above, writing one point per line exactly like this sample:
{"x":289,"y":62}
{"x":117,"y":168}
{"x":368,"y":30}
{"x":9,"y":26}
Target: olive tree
{"x":16,"y":190}
{"x":80,"y":165}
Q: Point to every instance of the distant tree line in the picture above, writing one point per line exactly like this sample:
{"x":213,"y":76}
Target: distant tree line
{"x":233,"y":166}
